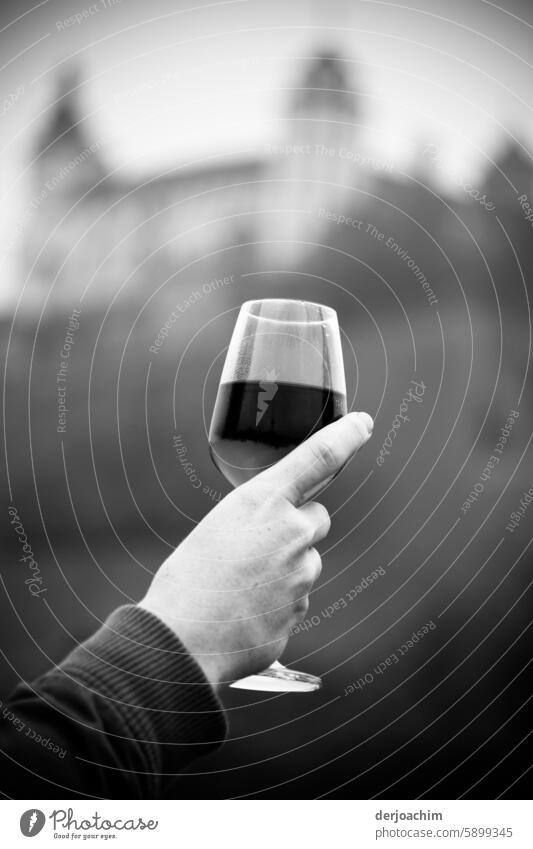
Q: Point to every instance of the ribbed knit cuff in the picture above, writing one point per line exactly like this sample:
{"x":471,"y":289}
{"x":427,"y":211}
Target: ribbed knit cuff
{"x":151,"y":681}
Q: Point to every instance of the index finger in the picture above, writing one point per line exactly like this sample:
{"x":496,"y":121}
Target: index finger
{"x":319,"y":457}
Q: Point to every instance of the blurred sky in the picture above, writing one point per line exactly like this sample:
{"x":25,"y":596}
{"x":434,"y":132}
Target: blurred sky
{"x":172,"y":80}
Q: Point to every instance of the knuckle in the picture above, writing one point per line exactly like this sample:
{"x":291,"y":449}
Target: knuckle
{"x":301,"y":606}
{"x":315,"y":564}
{"x":256,"y":492}
{"x":311,"y":570}
{"x":303,"y":527}
{"x":324,"y":455}
{"x":325,"y":520}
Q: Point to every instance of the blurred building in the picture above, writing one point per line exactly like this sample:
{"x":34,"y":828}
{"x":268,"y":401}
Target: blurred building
{"x":99,"y":233}
{"x":92,"y":229}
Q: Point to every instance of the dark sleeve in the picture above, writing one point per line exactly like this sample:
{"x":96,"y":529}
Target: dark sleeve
{"x":118,"y":718}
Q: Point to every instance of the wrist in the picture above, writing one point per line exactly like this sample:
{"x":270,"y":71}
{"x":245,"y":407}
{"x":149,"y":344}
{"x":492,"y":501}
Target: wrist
{"x":210,"y":664}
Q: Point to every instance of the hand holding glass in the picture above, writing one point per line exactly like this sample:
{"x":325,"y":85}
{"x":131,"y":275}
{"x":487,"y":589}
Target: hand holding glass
{"x":283,"y":379}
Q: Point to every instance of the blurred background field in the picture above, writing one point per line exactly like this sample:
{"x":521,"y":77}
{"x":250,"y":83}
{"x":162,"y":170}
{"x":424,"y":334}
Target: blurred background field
{"x":322,"y":204}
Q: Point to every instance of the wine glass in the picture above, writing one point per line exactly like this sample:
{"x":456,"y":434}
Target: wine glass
{"x":283,"y":379}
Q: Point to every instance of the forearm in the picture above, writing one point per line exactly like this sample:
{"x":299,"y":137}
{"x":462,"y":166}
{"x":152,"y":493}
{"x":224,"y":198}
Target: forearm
{"x":119,"y":717}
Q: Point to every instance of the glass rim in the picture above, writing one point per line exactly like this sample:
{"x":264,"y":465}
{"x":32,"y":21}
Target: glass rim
{"x":331,"y":314}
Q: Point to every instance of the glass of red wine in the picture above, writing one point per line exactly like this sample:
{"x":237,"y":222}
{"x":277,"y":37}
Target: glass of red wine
{"x":283,"y":379}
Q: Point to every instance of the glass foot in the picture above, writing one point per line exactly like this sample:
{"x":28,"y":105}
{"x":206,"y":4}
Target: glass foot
{"x":278,"y":679}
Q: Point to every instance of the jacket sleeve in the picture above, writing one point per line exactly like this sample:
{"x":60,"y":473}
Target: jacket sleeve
{"x":118,"y":718}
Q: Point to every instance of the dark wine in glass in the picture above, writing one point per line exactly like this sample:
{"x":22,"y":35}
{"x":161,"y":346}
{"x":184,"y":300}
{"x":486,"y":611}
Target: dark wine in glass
{"x":251,"y":430}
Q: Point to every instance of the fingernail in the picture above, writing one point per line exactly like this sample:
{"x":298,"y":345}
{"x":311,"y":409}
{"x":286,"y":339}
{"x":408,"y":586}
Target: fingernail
{"x":367,"y":421}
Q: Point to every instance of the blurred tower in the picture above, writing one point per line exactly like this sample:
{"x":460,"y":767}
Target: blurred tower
{"x":66,"y":165}
{"x":65,"y":143}
{"x":315,"y":164}
{"x":323,"y":107}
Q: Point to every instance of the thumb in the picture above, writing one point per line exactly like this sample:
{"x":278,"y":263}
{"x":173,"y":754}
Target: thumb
{"x":319,"y":457}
